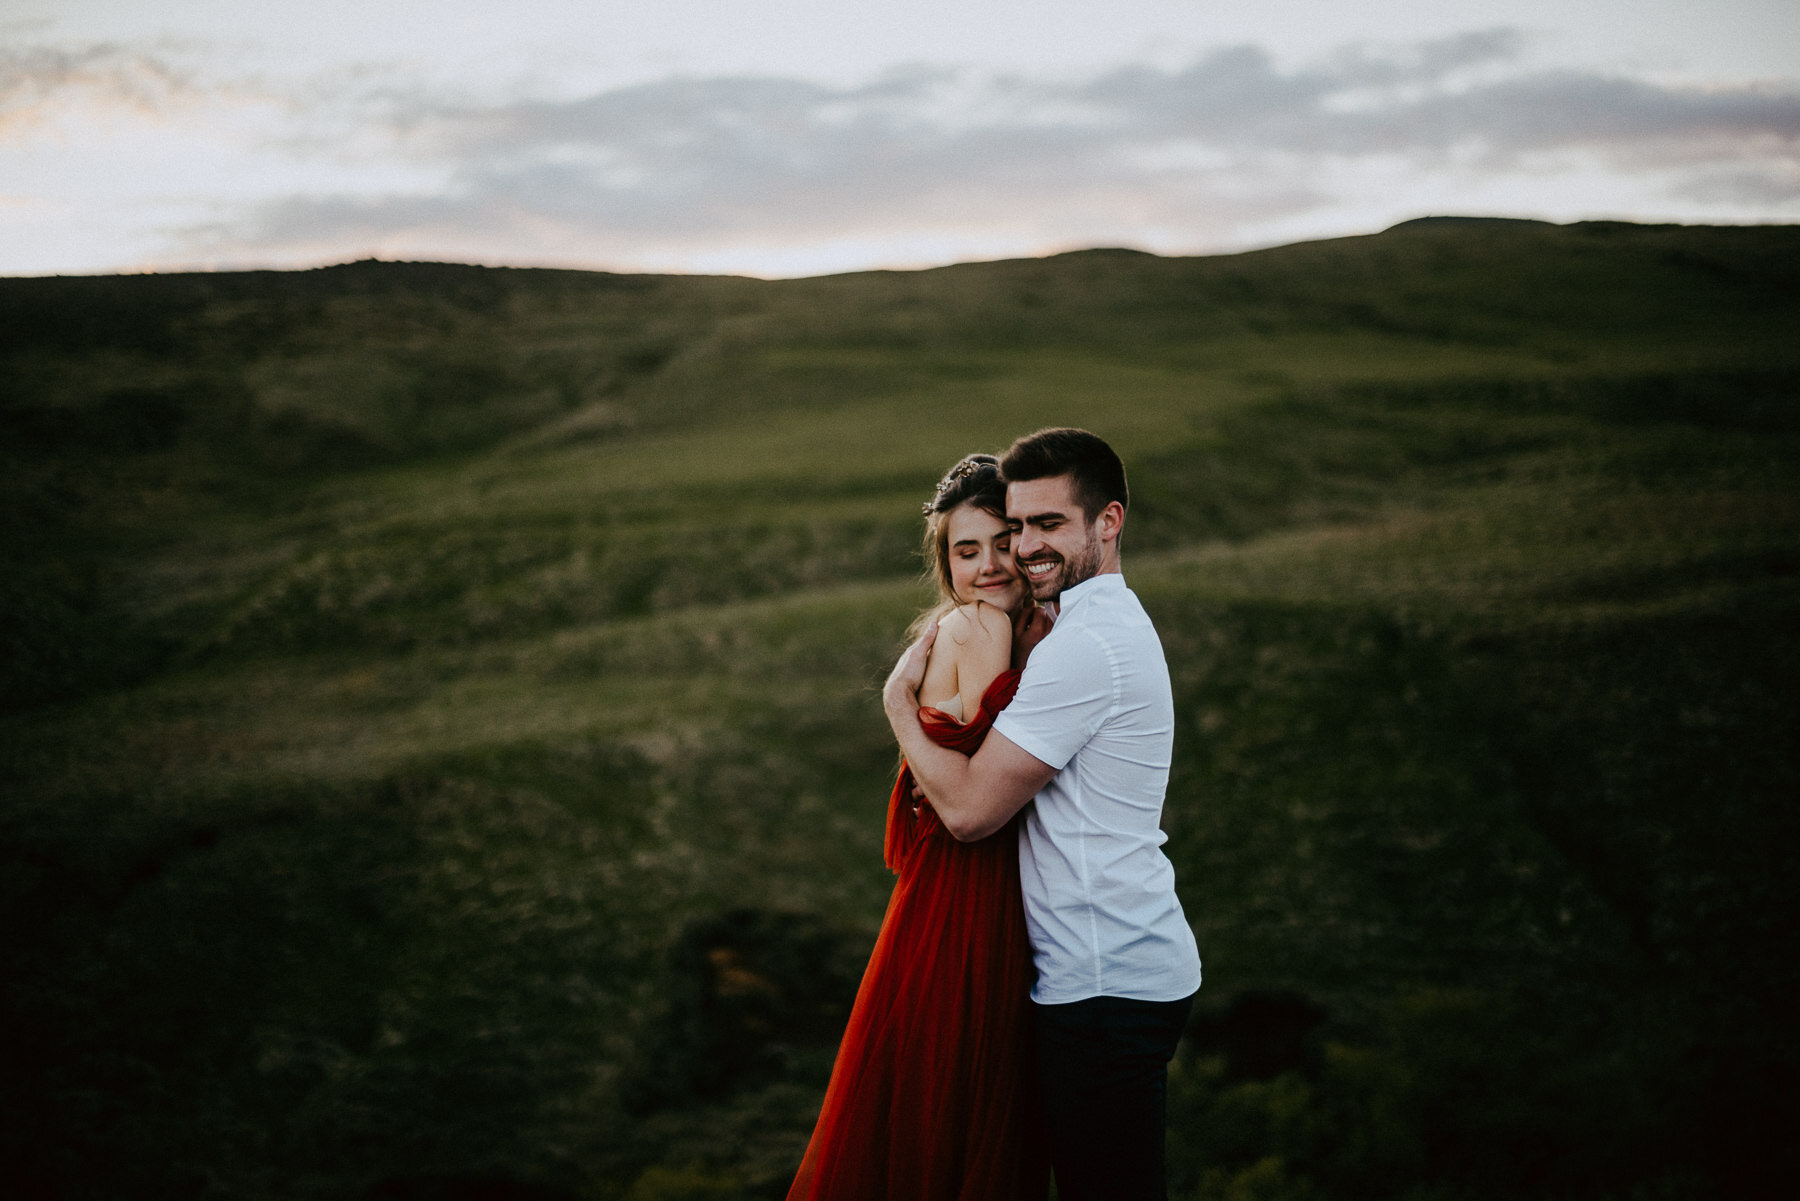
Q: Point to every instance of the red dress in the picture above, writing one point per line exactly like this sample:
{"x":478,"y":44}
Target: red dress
{"x":931,"y":1096}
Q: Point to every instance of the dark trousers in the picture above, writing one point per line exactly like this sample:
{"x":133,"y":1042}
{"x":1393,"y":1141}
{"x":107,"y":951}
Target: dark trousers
{"x":1103,"y":1072}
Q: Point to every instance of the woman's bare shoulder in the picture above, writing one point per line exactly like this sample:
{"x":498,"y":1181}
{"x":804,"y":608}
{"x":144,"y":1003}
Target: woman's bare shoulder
{"x":976,"y":621}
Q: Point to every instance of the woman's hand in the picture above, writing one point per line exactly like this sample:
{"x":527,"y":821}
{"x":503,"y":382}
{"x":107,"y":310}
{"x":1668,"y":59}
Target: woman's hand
{"x":1029,"y":628}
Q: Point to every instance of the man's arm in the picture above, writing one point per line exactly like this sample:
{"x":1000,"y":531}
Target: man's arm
{"x":973,"y":797}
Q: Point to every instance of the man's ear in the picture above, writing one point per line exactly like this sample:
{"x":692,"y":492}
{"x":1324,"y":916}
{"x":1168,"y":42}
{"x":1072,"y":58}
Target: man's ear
{"x":1110,"y":521}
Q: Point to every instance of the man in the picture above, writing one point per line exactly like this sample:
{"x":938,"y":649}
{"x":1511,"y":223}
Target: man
{"x":1089,"y":737}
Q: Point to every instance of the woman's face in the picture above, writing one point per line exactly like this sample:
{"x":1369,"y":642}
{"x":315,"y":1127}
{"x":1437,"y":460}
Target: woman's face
{"x":979,"y":552}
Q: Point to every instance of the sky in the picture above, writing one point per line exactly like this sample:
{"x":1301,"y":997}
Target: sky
{"x":785,"y":138}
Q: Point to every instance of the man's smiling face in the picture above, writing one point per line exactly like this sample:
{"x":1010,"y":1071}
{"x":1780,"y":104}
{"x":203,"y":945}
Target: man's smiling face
{"x":1055,"y":544}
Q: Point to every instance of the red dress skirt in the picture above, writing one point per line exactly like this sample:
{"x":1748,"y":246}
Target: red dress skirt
{"x":931,"y":1098}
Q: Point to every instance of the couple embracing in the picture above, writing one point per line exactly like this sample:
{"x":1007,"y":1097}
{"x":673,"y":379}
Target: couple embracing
{"x":1034,"y":970}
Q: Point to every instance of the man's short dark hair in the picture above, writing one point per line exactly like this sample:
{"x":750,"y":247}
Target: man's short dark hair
{"x":1097,"y":478}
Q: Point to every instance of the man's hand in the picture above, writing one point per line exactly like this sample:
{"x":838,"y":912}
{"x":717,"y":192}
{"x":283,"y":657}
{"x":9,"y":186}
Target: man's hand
{"x":902,"y":687}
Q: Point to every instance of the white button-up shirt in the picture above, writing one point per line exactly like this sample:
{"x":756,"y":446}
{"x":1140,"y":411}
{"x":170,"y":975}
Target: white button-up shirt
{"x":1100,"y":902}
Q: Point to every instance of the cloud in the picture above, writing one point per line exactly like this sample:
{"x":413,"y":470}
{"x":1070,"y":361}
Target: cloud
{"x":1774,"y":185}
{"x":1631,"y":120}
{"x":38,"y":81}
{"x":1214,"y":153}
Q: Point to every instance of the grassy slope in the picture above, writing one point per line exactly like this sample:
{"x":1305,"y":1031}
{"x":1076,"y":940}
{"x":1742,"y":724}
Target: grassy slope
{"x":442,"y":739}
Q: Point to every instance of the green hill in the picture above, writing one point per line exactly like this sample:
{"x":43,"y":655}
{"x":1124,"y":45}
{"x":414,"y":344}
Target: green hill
{"x":443,"y":757}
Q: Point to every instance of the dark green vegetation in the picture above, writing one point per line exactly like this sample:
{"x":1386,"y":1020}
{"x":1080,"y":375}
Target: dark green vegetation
{"x":442,"y":757}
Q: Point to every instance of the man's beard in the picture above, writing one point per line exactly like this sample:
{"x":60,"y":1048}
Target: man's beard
{"x":1069,"y":572}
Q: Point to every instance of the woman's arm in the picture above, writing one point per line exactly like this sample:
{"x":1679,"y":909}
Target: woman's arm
{"x":974,"y":644}
{"x":973,"y":797}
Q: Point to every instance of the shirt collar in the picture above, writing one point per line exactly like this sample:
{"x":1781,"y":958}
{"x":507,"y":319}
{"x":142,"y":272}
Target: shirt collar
{"x":1093,"y":586}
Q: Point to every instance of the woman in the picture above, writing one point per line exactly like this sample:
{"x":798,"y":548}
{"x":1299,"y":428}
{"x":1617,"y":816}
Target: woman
{"x":931,"y":1097}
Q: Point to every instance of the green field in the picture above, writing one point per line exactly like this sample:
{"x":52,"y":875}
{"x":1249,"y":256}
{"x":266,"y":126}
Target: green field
{"x":444,"y":758}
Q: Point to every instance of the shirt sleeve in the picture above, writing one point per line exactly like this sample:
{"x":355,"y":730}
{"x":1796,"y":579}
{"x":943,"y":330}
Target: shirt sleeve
{"x":1067,"y":691}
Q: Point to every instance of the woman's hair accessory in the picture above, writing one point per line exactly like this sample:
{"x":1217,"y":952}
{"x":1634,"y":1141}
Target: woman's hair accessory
{"x":962,"y":471}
